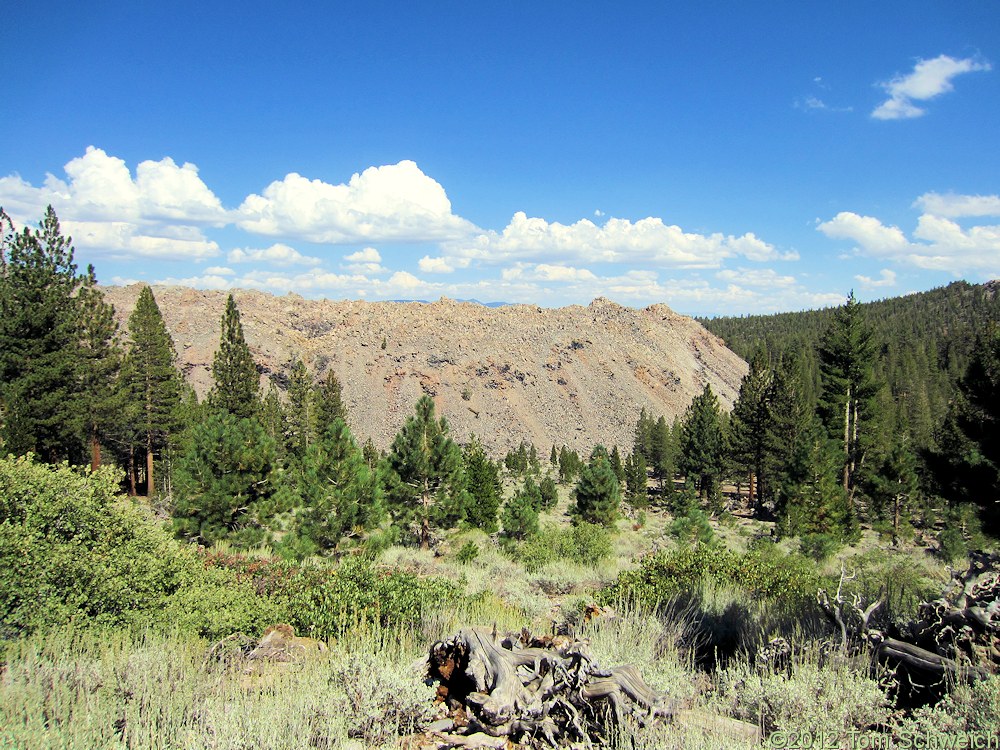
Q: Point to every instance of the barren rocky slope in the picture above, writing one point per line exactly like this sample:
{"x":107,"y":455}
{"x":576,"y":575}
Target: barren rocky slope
{"x":574,"y":375}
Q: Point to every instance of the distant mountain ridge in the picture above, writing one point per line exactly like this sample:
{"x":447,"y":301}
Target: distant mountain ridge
{"x":574,"y":375}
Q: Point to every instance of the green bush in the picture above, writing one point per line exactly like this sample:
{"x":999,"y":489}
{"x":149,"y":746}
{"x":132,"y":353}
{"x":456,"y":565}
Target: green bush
{"x":584,"y":543}
{"x":693,"y":528}
{"x":468,"y":552}
{"x":70,"y":548}
{"x":819,"y":547}
{"x":951,"y":545}
{"x":324,"y":603}
{"x":763,"y":572}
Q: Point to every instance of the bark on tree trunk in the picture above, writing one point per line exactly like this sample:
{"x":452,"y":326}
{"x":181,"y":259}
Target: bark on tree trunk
{"x":149,"y":467}
{"x":95,"y":451}
{"x":131,"y":472}
{"x":847,"y":440}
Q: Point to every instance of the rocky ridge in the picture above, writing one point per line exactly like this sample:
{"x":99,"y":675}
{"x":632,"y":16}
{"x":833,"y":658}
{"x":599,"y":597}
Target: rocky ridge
{"x":574,"y":375}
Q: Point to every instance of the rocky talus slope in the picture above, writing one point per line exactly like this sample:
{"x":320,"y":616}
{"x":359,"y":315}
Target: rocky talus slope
{"x":574,"y":375}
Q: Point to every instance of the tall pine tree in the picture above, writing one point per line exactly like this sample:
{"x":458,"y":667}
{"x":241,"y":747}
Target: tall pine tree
{"x":150,"y":385}
{"x":751,"y":419}
{"x":338,"y":492}
{"x":703,"y":443}
{"x":101,"y":360}
{"x":328,"y":402}
{"x":237,"y":382}
{"x":847,"y":355}
{"x":40,"y":350}
{"x":485,"y":489}
{"x":226,"y":482}
{"x":298,"y":411}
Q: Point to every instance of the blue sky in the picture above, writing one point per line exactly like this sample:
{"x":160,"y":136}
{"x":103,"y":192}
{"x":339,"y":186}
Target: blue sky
{"x":723,"y":158}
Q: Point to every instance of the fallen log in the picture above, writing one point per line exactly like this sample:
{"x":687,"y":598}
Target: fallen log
{"x":549,"y":692}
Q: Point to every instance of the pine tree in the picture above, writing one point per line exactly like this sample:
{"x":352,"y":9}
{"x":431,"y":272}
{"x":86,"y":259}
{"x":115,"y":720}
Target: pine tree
{"x":847,"y":354}
{"x":642,"y":442}
{"x":40,"y":354}
{"x":597,"y":493}
{"x":616,"y":465}
{"x":298,"y":412}
{"x":101,"y":360}
{"x":789,"y":415}
{"x":569,"y":465}
{"x":371,"y":454}
{"x":549,"y":492}
{"x":328,"y":404}
{"x":966,"y":467}
{"x":339,"y":492}
{"x":636,"y":479}
{"x":894,"y":487}
{"x":751,"y":420}
{"x":237,"y":382}
{"x":485,"y":490}
{"x":813,"y":498}
{"x":150,"y":385}
{"x":702,"y":443}
{"x":662,"y":452}
{"x":424,"y":480}
{"x":225,"y":482}
{"x":520,"y":513}
{"x":272,"y":417}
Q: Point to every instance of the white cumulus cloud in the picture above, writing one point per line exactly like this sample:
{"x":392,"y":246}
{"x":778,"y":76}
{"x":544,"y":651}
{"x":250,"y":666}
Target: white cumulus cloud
{"x":929,"y":78}
{"x":766,"y":278}
{"x":955,"y":206}
{"x":870,"y":234}
{"x":887,"y":277}
{"x":277,"y":254}
{"x":159,"y":213}
{"x":427,"y":264}
{"x":547,"y":272}
{"x":616,"y":241}
{"x":365,"y":261}
{"x":392,"y":203}
{"x":937,"y":243}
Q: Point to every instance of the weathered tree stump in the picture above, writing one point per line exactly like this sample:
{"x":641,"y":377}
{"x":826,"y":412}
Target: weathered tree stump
{"x":547,"y":691}
{"x":953,"y":640}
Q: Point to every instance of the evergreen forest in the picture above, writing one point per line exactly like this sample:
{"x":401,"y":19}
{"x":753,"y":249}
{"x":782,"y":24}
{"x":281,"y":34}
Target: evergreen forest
{"x":144,"y":531}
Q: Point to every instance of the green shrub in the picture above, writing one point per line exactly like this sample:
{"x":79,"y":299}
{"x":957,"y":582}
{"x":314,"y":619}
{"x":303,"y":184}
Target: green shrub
{"x":828,"y":699}
{"x":764,"y":572}
{"x":692,"y":528}
{"x":468,"y":552}
{"x":71,"y":548}
{"x":951,"y":545}
{"x":584,"y":543}
{"x":325,"y":603}
{"x":819,"y":547}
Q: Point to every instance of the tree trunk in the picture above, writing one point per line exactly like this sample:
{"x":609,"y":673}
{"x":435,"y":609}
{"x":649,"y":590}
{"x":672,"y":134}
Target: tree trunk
{"x":149,"y":466}
{"x":847,"y":441}
{"x":95,"y":451}
{"x":425,"y":521}
{"x":131,"y":471}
